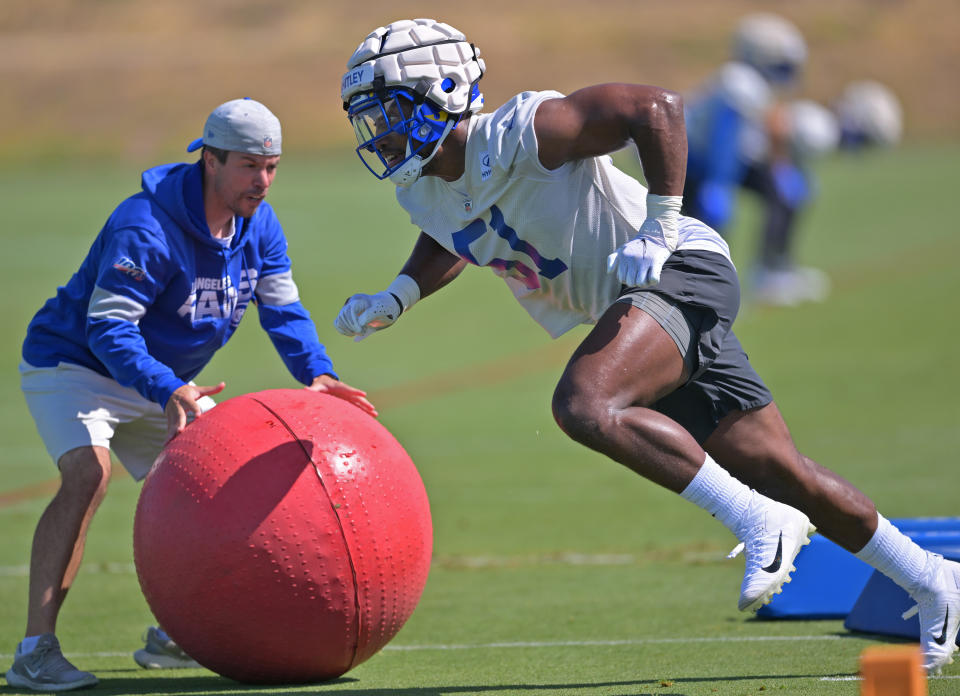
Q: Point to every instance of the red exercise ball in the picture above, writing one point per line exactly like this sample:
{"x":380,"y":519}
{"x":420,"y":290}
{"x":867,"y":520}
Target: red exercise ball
{"x":283,"y":537}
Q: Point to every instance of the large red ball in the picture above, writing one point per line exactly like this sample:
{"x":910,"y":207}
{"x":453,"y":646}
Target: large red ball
{"x":283,"y":537}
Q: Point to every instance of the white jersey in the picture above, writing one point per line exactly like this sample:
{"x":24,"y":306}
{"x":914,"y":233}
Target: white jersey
{"x":735,"y":86}
{"x":547,"y":233}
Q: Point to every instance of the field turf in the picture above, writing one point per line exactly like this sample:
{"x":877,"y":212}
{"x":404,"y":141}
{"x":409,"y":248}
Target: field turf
{"x":556,"y":571}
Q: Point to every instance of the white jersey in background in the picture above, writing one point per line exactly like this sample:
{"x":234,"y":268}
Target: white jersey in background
{"x":739,"y":88}
{"x":546,"y":233}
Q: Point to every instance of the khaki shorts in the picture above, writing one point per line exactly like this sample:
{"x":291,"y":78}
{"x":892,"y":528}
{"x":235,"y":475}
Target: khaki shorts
{"x":74,"y":406}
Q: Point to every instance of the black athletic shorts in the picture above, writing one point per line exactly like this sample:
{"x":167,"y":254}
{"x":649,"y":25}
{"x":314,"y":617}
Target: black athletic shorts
{"x":696,"y":301}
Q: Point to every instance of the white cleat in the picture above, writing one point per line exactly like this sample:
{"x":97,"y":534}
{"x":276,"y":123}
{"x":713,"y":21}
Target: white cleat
{"x":938,"y":602}
{"x":789,"y":287}
{"x":773,"y":535}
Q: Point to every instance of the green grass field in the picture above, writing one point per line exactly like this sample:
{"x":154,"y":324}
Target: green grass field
{"x":556,"y":571}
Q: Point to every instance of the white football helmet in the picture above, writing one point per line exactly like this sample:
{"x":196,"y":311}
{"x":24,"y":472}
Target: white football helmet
{"x":772,"y":45}
{"x":411,"y":80}
{"x":869,"y":114}
{"x":813,"y":128}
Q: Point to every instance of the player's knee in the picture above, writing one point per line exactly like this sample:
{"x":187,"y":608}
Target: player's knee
{"x":579,"y":414}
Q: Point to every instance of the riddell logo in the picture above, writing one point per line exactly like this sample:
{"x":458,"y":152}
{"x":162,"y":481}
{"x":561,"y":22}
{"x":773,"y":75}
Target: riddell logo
{"x":125,"y":265}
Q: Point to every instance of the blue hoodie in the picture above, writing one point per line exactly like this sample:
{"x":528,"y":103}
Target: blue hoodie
{"x":157,"y":295}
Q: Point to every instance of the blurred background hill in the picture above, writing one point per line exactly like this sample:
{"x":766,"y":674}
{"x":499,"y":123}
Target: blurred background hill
{"x":134,"y":79}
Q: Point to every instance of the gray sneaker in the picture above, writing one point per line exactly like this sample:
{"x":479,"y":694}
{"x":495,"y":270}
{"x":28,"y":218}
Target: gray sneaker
{"x":160,"y":652}
{"x":46,"y":669}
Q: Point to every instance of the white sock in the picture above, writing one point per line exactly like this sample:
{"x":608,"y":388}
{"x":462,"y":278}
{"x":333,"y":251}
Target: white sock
{"x":28,"y":644}
{"x":720,"y":494}
{"x":895,"y":555}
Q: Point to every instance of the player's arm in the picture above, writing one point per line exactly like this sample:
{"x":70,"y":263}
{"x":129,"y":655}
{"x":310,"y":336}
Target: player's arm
{"x":428,"y":269}
{"x":604,"y":118}
{"x":601,"y":119}
{"x":431,"y":266}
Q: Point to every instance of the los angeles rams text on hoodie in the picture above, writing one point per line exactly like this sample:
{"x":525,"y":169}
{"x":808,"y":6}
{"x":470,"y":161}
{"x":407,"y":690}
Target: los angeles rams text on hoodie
{"x":157,"y":295}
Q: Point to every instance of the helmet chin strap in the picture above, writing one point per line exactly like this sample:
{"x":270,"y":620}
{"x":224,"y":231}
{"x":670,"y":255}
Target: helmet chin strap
{"x":413,"y":167}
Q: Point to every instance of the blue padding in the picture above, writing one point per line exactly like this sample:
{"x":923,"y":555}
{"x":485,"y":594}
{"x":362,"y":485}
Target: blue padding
{"x":880,"y":606}
{"x":827,"y":583}
{"x":829,"y":579}
{"x":918,"y":524}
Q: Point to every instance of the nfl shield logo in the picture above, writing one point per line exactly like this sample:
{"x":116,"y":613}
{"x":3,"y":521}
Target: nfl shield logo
{"x":267,"y":141}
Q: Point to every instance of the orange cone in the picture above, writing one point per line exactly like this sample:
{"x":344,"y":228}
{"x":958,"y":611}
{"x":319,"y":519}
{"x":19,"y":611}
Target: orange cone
{"x":892,"y":671}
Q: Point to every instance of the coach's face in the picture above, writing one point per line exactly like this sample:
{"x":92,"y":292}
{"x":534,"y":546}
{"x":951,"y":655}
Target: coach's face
{"x":241,"y":183}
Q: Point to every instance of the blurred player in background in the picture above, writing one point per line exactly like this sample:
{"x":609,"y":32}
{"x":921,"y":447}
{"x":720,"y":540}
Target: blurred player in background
{"x":108,"y":362}
{"x":798,"y":133}
{"x":739,"y":134}
{"x":747,"y":132}
{"x":661,"y":383}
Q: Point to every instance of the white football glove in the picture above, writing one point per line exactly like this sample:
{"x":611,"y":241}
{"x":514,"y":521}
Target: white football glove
{"x":361,"y":315}
{"x":638,"y":262}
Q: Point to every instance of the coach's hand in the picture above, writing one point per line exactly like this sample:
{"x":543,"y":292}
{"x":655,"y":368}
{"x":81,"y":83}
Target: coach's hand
{"x":183,"y":403}
{"x":333,"y":386}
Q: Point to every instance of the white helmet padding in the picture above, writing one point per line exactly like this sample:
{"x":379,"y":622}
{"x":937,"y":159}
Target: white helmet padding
{"x":414,"y":79}
{"x":430,"y":58}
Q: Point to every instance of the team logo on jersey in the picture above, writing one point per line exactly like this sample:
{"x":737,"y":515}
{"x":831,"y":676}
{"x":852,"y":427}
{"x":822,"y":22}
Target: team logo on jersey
{"x":486,"y":171}
{"x":126,"y":265}
{"x":219,"y":298}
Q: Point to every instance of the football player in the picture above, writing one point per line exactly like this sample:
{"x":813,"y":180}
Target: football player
{"x":661,"y":383}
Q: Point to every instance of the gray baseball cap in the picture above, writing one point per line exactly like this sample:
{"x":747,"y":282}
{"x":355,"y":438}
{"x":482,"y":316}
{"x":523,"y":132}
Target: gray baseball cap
{"x":241,"y":125}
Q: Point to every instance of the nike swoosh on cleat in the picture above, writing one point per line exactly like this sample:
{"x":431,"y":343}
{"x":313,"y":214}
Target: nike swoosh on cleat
{"x":778,"y":557}
{"x":942,"y":638}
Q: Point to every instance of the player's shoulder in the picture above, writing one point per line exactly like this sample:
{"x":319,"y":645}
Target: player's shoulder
{"x":507,"y":131}
{"x":522,"y":106}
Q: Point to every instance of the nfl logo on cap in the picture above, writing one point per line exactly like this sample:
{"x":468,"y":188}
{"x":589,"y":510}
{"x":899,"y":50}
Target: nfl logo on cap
{"x":241,"y":125}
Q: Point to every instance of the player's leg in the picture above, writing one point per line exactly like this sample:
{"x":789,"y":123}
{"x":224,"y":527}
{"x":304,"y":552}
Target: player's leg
{"x":603,"y":399}
{"x":756,"y":446}
{"x":776,"y":278}
{"x":626,"y":393}
{"x":641,"y":355}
